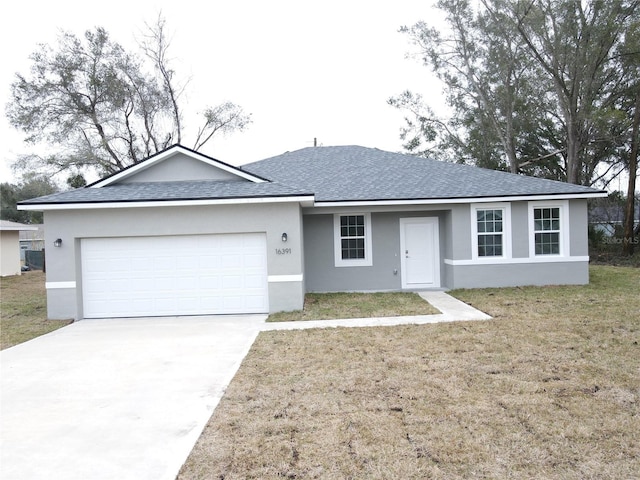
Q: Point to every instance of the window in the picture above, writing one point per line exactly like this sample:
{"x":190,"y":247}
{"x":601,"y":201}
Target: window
{"x":546,"y":227}
{"x":352,"y":237}
{"x":549,"y":229}
{"x":491,"y":231}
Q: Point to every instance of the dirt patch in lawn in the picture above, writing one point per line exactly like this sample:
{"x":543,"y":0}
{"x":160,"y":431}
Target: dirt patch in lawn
{"x":548,"y":389}
{"x":328,"y":306}
{"x":23,"y":309}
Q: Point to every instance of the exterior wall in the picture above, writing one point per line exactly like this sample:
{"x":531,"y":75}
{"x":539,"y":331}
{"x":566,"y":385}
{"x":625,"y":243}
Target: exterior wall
{"x":523,"y":269}
{"x":180,"y":167}
{"x":519,"y":229}
{"x":64,"y":273}
{"x":311,"y":265}
{"x":9,"y":253}
{"x":458,"y":268}
{"x":579,"y":224}
{"x":512,"y":275}
{"x":384,"y":274}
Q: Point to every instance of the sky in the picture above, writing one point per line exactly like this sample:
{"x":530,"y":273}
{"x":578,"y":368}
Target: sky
{"x":305,"y":70}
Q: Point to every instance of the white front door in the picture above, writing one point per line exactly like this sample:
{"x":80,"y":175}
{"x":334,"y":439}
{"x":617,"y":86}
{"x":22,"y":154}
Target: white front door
{"x":420,"y":252}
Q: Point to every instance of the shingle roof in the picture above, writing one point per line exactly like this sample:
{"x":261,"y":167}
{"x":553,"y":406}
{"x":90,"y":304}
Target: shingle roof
{"x":166,"y":191}
{"x":353,"y":173}
{"x":332,"y":174}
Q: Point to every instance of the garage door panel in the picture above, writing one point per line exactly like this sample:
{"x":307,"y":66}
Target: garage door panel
{"x":174,"y":275}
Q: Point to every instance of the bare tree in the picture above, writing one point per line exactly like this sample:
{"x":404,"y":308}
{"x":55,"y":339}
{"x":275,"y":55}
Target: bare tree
{"x":104,"y":108}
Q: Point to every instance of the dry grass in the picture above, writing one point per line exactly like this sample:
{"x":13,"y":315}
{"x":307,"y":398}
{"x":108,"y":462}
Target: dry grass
{"x":549,"y":389}
{"x":23,"y":309}
{"x":327,"y":306}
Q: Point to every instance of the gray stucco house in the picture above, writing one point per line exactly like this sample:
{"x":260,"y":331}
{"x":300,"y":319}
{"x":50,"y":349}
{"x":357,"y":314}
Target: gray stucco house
{"x":185,"y":234}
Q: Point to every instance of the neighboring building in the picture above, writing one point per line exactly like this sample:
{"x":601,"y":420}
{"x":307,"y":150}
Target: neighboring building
{"x":184,"y":234}
{"x":31,"y":240}
{"x":609,"y":219}
{"x":10,"y":247}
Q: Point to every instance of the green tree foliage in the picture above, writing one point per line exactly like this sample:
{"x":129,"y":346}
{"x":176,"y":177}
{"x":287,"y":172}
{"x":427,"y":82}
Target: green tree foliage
{"x":105,"y":108}
{"x":533,"y":86}
{"x":31,"y":186}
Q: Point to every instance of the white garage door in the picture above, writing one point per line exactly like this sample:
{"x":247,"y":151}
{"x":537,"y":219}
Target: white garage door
{"x":174,"y":275}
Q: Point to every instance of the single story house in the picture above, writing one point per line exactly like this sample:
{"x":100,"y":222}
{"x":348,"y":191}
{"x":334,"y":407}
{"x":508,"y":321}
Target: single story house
{"x":182,"y":233}
{"x":10,"y":263}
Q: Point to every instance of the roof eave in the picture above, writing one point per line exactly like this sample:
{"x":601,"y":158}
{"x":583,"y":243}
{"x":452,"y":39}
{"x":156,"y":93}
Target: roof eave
{"x":18,"y":229}
{"x":449,"y":200}
{"x":305,"y":200}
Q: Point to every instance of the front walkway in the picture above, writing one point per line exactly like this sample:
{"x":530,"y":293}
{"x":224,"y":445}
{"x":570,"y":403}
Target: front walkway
{"x":451,"y":310}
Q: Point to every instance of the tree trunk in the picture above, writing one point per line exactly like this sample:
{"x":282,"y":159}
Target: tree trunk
{"x":629,"y":211}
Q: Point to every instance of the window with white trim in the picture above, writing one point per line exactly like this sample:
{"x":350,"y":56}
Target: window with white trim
{"x":352,"y":239}
{"x":546,"y":229}
{"x":549,"y":229}
{"x":491,"y":230}
{"x":489,"y":225}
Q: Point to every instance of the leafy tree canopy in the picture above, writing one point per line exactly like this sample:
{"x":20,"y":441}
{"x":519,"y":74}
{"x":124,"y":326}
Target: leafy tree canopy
{"x":31,"y":186}
{"x":539,"y":87}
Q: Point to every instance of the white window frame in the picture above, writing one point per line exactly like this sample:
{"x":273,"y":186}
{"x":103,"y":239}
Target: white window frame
{"x":506,"y":231}
{"x":563,"y":205}
{"x":367,"y":261}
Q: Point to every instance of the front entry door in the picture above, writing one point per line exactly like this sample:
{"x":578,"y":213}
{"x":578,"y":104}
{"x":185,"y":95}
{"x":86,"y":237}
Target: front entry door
{"x":420,"y":252}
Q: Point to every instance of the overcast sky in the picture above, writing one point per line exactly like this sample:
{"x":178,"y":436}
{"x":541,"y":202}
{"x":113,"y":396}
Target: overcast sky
{"x":303,"y":69}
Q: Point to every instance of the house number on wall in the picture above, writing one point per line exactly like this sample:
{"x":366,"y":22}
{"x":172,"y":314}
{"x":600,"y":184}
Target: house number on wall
{"x":283,"y":251}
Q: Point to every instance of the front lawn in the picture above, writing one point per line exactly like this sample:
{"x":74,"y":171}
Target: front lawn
{"x":548,"y":389}
{"x":328,"y":306}
{"x":23,"y":309}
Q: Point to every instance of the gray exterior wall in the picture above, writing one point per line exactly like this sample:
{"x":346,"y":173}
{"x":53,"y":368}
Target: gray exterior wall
{"x":384,"y":274}
{"x":64,"y":263}
{"x":457,"y":269}
{"x":180,"y":167}
{"x":520,"y":229}
{"x":512,"y":275}
{"x":520,"y":271}
{"x":579,"y":222}
{"x":311,"y":239}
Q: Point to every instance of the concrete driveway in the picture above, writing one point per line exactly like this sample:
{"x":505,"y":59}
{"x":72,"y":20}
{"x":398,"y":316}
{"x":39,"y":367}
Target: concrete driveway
{"x":116,"y":399}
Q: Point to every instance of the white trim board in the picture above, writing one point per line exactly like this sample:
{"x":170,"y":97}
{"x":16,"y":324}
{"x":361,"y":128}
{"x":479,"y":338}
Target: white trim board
{"x":517,"y":261}
{"x":167,"y":203}
{"x":284,"y":278}
{"x":58,"y":285}
{"x":440,"y":201}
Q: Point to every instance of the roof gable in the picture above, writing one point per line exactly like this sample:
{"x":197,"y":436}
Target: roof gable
{"x":178,"y":163}
{"x":359,"y":174}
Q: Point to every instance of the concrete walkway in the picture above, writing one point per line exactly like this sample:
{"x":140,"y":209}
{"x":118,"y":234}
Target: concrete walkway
{"x":451,"y":310}
{"x":128,"y":398}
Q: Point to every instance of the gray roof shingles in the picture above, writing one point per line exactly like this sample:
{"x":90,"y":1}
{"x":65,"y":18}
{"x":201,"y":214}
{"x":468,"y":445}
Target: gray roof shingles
{"x":353,"y":173}
{"x":333,"y":174}
{"x":167,"y":191}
